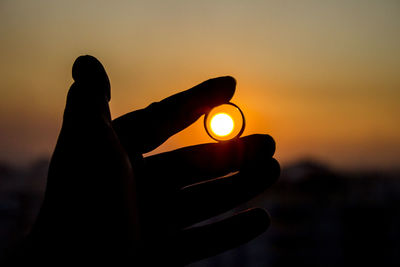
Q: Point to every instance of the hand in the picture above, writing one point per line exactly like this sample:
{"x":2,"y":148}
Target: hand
{"x":105,"y":202}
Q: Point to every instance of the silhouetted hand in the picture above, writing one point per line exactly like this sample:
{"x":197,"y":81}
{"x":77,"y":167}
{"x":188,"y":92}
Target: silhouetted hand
{"x":105,"y":202}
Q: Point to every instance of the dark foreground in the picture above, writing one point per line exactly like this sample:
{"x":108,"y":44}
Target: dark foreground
{"x":319,"y":217}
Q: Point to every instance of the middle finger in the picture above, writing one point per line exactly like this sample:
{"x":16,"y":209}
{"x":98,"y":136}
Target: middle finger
{"x":199,"y":163}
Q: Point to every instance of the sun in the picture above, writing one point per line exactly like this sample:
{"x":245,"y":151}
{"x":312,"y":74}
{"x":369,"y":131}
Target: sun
{"x":221,"y":124}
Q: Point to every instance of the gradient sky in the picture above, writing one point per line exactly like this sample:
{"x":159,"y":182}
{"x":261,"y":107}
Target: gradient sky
{"x":322,"y":77}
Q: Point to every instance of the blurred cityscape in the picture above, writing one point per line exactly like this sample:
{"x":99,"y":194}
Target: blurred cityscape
{"x":320,"y":217}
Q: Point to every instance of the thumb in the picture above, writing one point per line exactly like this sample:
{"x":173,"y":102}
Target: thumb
{"x":89,"y":95}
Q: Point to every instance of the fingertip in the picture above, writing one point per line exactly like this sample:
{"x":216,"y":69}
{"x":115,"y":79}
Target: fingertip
{"x":276,"y":170}
{"x":269,"y":170}
{"x":224,"y":88}
{"x":269,"y":144}
{"x":261,"y":219}
{"x":84,"y":66}
{"x":263,"y":172}
{"x":229,"y":81}
{"x":260,"y":144}
{"x":88,"y":70}
{"x":254,"y":148}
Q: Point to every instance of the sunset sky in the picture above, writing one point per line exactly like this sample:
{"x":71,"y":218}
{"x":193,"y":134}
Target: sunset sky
{"x":321,"y":77}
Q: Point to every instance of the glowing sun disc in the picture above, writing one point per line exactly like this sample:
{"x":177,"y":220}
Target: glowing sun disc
{"x":222,"y":124}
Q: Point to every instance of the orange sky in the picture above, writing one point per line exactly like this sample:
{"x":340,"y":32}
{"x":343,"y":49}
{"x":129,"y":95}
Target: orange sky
{"x":322,"y":77}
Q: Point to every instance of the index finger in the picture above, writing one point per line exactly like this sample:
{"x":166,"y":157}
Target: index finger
{"x":144,"y":130}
